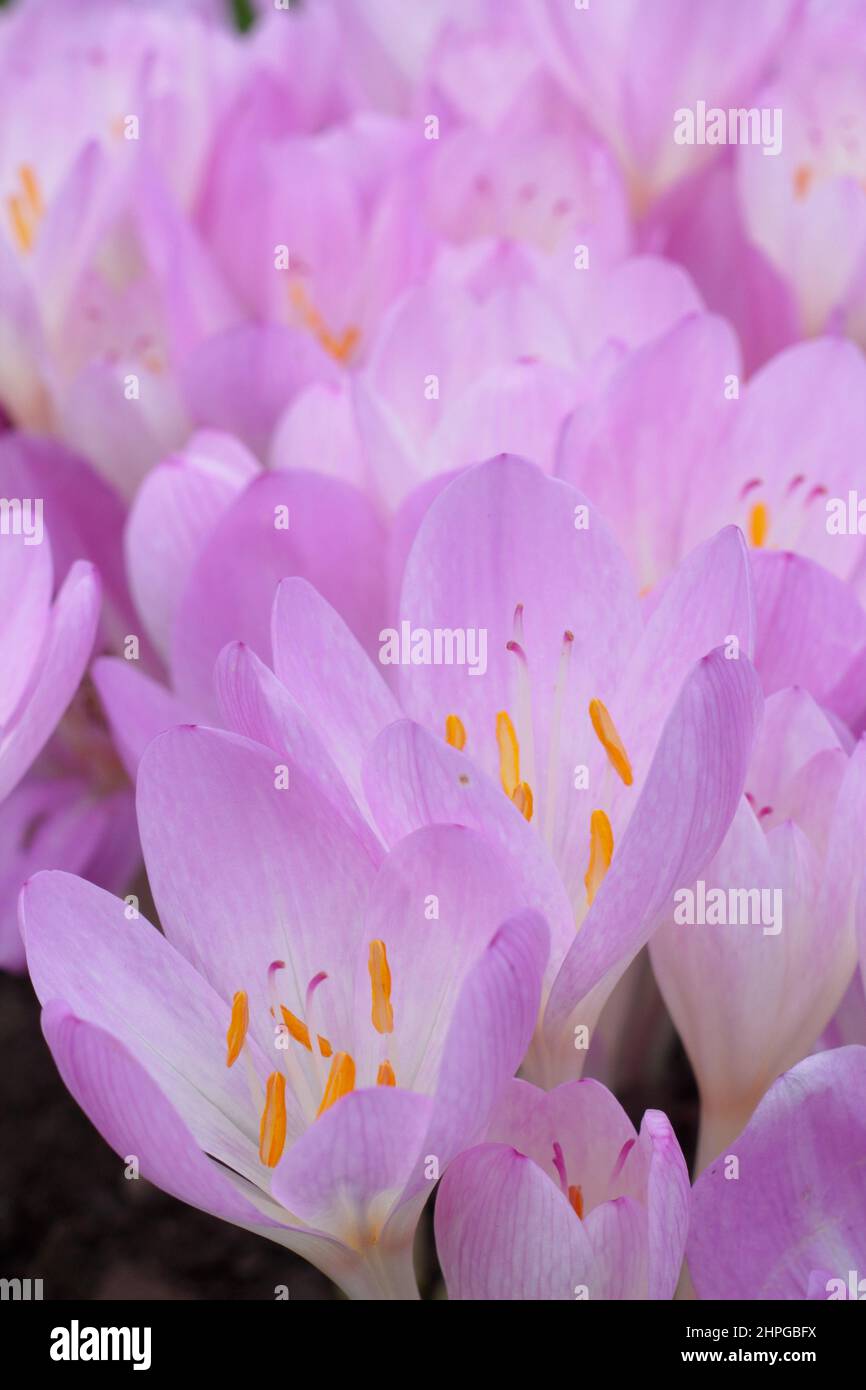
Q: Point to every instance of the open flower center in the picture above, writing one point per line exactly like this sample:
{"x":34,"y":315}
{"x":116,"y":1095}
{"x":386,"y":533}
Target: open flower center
{"x":318,"y":1076}
{"x":515,"y":743}
{"x":785,"y":522}
{"x":339,"y":346}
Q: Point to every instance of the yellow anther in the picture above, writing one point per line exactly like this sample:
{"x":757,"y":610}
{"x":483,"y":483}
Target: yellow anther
{"x":339,"y":348}
{"x":759,"y":524}
{"x":25,"y":208}
{"x":238,"y":1025}
{"x":610,"y":740}
{"x":600,"y":853}
{"x":455,"y":734}
{"x":341,"y":1080}
{"x":803,"y":176}
{"x":509,"y":754}
{"x":385,"y":1075}
{"x":32,"y":191}
{"x":522,"y":799}
{"x":21,"y":228}
{"x":380,"y":980}
{"x":575,"y":1197}
{"x":272,"y":1133}
{"x":301,"y":1033}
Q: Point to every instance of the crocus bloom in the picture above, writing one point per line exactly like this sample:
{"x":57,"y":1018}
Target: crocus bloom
{"x":806,"y":208}
{"x":777,"y":448}
{"x":595,"y":752}
{"x":106,"y":287}
{"x":750,"y":989}
{"x":565,"y":1201}
{"x":321,"y":1029}
{"x":630,"y":67}
{"x":780,"y":1213}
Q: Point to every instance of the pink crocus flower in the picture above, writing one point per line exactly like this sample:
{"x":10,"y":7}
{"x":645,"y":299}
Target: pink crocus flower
{"x":742,"y":987}
{"x":321,"y":1029}
{"x":106,"y":287}
{"x":806,"y":208}
{"x":774,"y":449}
{"x":657,"y":724}
{"x":779,"y":1215}
{"x":565,"y":1200}
{"x":629,"y":68}
{"x":494,"y":353}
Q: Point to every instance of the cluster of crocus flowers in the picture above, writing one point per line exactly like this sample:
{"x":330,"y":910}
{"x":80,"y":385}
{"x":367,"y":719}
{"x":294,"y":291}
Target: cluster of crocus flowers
{"x":363,"y":323}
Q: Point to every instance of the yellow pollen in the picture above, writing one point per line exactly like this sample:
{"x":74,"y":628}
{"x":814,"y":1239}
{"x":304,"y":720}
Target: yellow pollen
{"x":380,"y":980}
{"x":25,"y":208}
{"x":339,"y":348}
{"x":575,"y":1197}
{"x":301,"y":1033}
{"x":610,"y":740}
{"x":455,"y":734}
{"x":759,"y":524}
{"x":21,"y":228}
{"x":385,"y":1075}
{"x":272,"y":1133}
{"x":803,"y":175}
{"x":341,"y":1080}
{"x":600,"y":853}
{"x":522,"y":799}
{"x":32,"y":191}
{"x":238,"y":1025}
{"x":509,"y":754}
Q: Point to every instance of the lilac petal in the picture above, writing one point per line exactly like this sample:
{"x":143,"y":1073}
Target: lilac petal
{"x":329,"y":676}
{"x":240,"y":380}
{"x":706,"y":601}
{"x":504,"y":1231}
{"x":333,"y":539}
{"x":254,"y":703}
{"x":51,"y":823}
{"x":246,"y":871}
{"x":68,"y":642}
{"x":487,"y":1038}
{"x":345,"y":1172}
{"x":810,"y":624}
{"x":26,"y":582}
{"x":175,"y":508}
{"x":797,"y":1203}
{"x":136,"y":1117}
{"x":632,"y":449}
{"x":137,"y":707}
{"x":120,"y":974}
{"x":617,"y":1232}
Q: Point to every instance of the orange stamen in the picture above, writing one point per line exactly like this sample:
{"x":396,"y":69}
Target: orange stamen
{"x":385,"y":1075}
{"x":341,"y":1080}
{"x":272,"y":1133}
{"x":509,"y":754}
{"x":301,"y":1033}
{"x":237,"y":1029}
{"x":380,"y":980}
{"x":455,"y":734}
{"x":610,"y":740}
{"x":600,"y":853}
{"x":759,"y":524}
